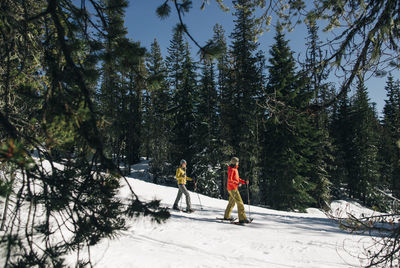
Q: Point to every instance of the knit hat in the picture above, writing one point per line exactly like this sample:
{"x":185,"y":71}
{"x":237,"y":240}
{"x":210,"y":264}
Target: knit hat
{"x":183,"y":161}
{"x":234,"y":160}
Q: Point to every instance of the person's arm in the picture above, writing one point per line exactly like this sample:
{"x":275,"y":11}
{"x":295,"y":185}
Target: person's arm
{"x":239,"y":180}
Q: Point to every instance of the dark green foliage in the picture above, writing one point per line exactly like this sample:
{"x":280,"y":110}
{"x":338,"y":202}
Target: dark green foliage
{"x":164,"y":10}
{"x":288,"y":134}
{"x":224,"y":108}
{"x":341,"y":134}
{"x":363,"y":166}
{"x":208,"y":152}
{"x":322,"y":158}
{"x":242,"y":114}
{"x":390,"y":142}
{"x":355,"y":129}
{"x":120,"y":94}
{"x":182,"y":78}
{"x":157,"y":120}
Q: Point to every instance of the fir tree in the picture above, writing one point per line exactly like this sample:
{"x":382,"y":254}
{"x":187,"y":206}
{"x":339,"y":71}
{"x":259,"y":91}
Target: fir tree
{"x":207,"y":131}
{"x":245,"y":86}
{"x":157,"y":120}
{"x":115,"y":86}
{"x":182,"y":78}
{"x":341,"y":130}
{"x":319,"y":88}
{"x":130,"y":116}
{"x":389,"y":149}
{"x":224,"y":108}
{"x":287,"y":146}
{"x":363,"y":167}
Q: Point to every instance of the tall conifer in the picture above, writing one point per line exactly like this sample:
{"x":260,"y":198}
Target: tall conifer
{"x":287,"y":146}
{"x":245,"y":86}
{"x":182,"y":78}
{"x":158,"y":121}
{"x":363,"y":165}
{"x":390,"y":143}
{"x":319,"y":88}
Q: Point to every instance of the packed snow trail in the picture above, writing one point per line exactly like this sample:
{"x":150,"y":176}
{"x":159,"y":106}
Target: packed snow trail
{"x":273,"y":239}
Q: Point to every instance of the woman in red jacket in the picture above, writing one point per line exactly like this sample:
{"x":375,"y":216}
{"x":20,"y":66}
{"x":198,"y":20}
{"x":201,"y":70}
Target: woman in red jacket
{"x":234,"y":182}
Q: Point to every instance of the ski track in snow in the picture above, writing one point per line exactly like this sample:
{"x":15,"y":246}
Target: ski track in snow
{"x":274,"y":239}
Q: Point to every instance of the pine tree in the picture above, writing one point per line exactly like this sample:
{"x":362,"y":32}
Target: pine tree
{"x":225,"y":107}
{"x":363,"y":167}
{"x":287,"y":146}
{"x":130,"y":115}
{"x":245,"y":86}
{"x":182,"y":78}
{"x":389,"y":149}
{"x":341,"y":130}
{"x":112,"y":91}
{"x":157,"y":120}
{"x":207,"y":132}
{"x":319,"y":88}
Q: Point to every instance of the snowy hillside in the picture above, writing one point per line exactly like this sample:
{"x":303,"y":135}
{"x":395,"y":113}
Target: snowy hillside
{"x":274,"y":239}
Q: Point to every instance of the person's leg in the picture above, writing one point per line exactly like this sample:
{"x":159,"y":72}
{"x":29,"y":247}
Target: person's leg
{"x":187,"y":194}
{"x":239,"y":202}
{"x":178,"y":197}
{"x":229,"y":207}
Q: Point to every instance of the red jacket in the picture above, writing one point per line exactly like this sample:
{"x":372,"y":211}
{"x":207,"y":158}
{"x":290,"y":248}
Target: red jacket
{"x":233,"y":178}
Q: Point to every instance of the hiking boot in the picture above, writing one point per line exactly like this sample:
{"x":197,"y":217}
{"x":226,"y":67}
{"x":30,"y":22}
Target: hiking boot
{"x":244,"y":221}
{"x":229,"y":219}
{"x":175,"y":208}
{"x":189,"y":210}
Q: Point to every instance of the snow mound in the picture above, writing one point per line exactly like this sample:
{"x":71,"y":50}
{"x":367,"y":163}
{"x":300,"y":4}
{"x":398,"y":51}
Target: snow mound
{"x":342,"y":208}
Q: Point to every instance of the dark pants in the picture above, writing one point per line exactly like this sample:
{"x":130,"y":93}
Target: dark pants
{"x":182,"y":189}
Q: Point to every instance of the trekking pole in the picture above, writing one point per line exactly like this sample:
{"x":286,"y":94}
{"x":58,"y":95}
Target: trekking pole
{"x":195,"y":189}
{"x":248,"y":198}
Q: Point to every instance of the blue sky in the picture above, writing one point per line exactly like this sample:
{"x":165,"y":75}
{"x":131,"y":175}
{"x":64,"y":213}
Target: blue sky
{"x":143,"y":25}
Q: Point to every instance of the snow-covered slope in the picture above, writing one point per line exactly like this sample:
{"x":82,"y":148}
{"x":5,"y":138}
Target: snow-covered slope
{"x":274,"y":239}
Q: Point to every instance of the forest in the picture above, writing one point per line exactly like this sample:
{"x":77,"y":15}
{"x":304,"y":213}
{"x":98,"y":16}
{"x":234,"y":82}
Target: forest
{"x":76,"y":91}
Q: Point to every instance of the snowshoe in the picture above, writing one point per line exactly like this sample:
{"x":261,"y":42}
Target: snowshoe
{"x":189,"y":210}
{"x":226,"y":219}
{"x":243,"y":222}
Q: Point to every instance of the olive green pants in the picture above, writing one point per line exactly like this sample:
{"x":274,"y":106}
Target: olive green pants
{"x":234,"y":197}
{"x":182,"y":189}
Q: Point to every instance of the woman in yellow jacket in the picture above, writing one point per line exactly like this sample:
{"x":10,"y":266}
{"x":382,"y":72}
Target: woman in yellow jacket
{"x":181,"y":178}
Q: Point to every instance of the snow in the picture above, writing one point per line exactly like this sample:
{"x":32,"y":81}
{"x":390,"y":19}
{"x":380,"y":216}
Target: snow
{"x":341,"y":209}
{"x":274,"y":239}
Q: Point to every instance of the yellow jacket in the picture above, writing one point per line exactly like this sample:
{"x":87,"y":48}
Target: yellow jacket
{"x":181,"y":176}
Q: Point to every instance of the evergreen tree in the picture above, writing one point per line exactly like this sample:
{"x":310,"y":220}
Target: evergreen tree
{"x":117,"y":83}
{"x":225,"y":106}
{"x":363,"y":167}
{"x":207,"y":157}
{"x":130,"y":112}
{"x":389,"y":149}
{"x":341,"y":130}
{"x":245,"y":86}
{"x":319,"y":88}
{"x":182,"y":78}
{"x":287,"y":146}
{"x":157,"y":120}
